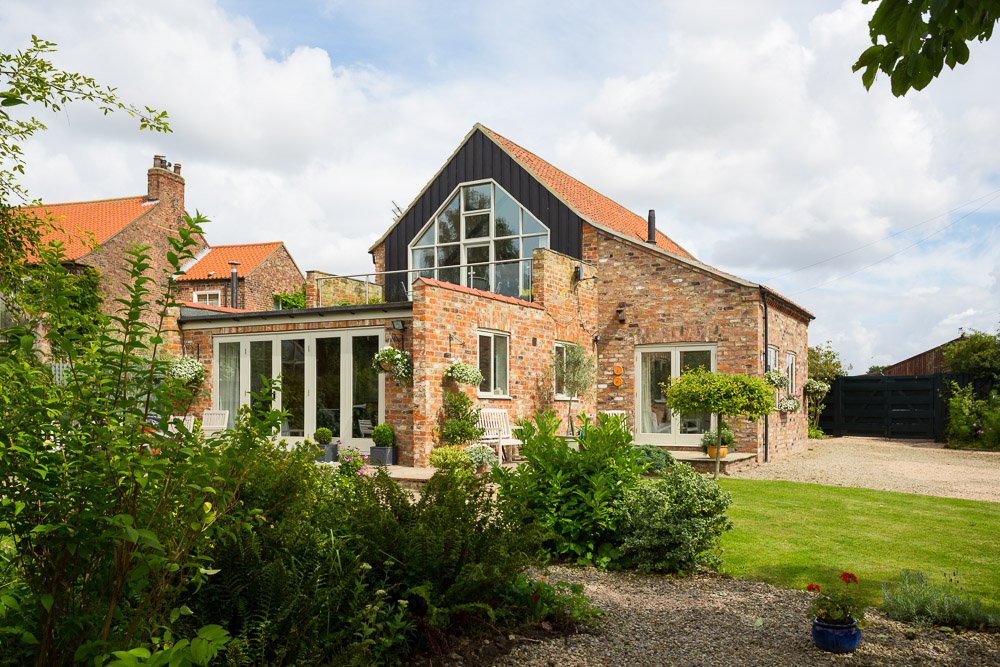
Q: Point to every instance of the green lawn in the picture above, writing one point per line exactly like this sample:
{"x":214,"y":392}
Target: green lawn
{"x":790,"y":534}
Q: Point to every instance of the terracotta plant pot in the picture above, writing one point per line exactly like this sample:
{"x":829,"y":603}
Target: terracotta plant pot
{"x":723,"y":453}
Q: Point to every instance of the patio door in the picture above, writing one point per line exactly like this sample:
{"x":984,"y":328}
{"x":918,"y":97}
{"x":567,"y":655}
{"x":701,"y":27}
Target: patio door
{"x":655,"y":365}
{"x":326,"y":380}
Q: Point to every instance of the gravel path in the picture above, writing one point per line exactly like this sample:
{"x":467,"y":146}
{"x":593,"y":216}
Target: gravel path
{"x":711,"y":620}
{"x":910,"y":466}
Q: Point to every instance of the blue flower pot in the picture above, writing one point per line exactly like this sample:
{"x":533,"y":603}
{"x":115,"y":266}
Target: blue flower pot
{"x":836,"y":638}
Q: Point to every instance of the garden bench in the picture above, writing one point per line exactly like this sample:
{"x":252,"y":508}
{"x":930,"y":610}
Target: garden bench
{"x":186,"y":420}
{"x":497,"y":432}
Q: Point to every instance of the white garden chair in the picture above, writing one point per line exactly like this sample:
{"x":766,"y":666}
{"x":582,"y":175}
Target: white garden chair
{"x":186,"y":420}
{"x":497,"y":432}
{"x":620,"y":414}
{"x":214,"y":421}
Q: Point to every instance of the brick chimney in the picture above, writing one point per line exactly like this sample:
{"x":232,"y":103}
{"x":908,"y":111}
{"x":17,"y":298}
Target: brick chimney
{"x":165,"y":184}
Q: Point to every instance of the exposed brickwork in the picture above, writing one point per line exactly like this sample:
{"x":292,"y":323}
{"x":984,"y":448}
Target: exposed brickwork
{"x":439,"y":310}
{"x":667,"y":301}
{"x":331,"y":290}
{"x":276,"y":273}
{"x":787,"y":432}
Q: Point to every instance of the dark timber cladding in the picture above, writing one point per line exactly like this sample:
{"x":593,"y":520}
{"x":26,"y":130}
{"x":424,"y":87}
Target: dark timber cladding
{"x":478,"y":159}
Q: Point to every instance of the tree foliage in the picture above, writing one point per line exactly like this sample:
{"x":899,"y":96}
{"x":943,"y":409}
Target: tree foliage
{"x":825,"y":363}
{"x":725,"y":395}
{"x":976,"y":354}
{"x":578,"y":372}
{"x":912,"y":40}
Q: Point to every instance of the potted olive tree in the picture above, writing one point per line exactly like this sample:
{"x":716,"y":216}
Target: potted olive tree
{"x":725,"y":395}
{"x":383,"y":451}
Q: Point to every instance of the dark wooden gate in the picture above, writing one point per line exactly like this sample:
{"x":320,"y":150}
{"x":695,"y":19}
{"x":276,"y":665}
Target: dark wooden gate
{"x":900,"y":406}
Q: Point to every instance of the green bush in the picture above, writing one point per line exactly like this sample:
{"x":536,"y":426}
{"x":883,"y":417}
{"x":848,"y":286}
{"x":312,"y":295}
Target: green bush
{"x":672,"y":524}
{"x":655,"y":459}
{"x":459,"y":421}
{"x":816,"y":433}
{"x":537,"y":600}
{"x":323,"y":436}
{"x":916,"y":599}
{"x":571,"y":494}
{"x":972,"y":422}
{"x":450,"y":458}
{"x":383,"y":436}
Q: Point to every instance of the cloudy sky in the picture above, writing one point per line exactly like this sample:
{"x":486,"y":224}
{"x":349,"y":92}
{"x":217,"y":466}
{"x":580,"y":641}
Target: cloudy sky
{"x":745,"y":129}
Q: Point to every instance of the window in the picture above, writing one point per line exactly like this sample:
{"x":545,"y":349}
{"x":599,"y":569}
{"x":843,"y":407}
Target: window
{"x":772,"y":359}
{"x":656,"y":365}
{"x":482,"y":238}
{"x":560,"y":370}
{"x":209,"y":298}
{"x":790,"y":371}
{"x":493,"y":356}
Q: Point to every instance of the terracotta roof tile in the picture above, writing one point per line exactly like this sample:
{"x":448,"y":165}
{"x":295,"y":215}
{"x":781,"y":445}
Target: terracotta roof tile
{"x":216,"y":261}
{"x":478,"y":292}
{"x":81,"y":224}
{"x":585,"y":200}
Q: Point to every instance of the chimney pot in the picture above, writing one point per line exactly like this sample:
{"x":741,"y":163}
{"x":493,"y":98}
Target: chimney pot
{"x":157,"y":161}
{"x":651,"y":234}
{"x":177,"y":168}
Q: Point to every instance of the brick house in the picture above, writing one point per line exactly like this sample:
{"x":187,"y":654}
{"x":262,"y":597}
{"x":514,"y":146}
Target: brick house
{"x":503,"y":261}
{"x":262,"y":270}
{"x":98,"y":234}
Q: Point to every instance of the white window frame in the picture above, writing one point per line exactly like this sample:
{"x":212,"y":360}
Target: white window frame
{"x":790,"y":371}
{"x":493,"y":335}
{"x":675,"y":437}
{"x":561,"y":396}
{"x":212,"y":292}
{"x":490,"y":239}
{"x":772,"y":358}
{"x":310,"y":337}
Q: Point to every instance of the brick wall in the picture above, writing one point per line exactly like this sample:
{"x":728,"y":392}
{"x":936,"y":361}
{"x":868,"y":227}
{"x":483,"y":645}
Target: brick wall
{"x":327,"y":289}
{"x":277,"y":273}
{"x":787,"y":431}
{"x":666,"y":301}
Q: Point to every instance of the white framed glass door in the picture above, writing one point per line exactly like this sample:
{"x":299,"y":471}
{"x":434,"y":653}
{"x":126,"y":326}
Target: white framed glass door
{"x":656,"y":423}
{"x":327,"y":380}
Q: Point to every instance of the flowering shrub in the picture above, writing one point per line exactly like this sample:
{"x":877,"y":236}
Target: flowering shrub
{"x":398,"y":361}
{"x":353,"y":462}
{"x":186,"y":369}
{"x":776,"y":378}
{"x":837,"y":605}
{"x":816,"y":389}
{"x":710,"y":438}
{"x":788,"y":404}
{"x":972,"y":422}
{"x":464,"y":373}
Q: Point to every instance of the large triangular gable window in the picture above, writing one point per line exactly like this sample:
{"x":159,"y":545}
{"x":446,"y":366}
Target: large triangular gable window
{"x":481,"y":238}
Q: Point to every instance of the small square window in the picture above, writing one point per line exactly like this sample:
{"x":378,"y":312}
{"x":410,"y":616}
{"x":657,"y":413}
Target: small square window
{"x":209,"y":298}
{"x":493,"y":363}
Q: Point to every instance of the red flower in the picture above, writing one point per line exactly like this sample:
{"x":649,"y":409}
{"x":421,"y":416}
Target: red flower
{"x":813,"y":588}
{"x":848,"y":578}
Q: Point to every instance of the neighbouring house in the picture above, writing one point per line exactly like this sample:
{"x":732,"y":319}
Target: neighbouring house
{"x":262,"y":270}
{"x":503,"y":261}
{"x":99,"y":234}
{"x":925,"y":363}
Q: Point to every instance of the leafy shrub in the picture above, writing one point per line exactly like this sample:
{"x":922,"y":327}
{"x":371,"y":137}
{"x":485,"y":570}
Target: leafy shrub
{"x":916,"y":599}
{"x":972,"y":422}
{"x":710,"y":438}
{"x":816,"y":433}
{"x":571,"y":494}
{"x":672,"y":524}
{"x":655,"y":459}
{"x":383,"y":436}
{"x":481,"y":455}
{"x":323,"y":436}
{"x":539,"y":600}
{"x":352,"y":462}
{"x":459,"y":422}
{"x":450,"y":457}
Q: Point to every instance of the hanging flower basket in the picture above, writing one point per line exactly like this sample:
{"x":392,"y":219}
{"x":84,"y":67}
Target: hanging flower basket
{"x":788,"y":404}
{"x":391,"y":360}
{"x":464,"y":374}
{"x":776,"y":379}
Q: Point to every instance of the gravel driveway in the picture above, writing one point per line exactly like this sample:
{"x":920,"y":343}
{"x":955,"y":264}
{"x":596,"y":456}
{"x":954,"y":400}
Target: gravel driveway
{"x":910,"y":466}
{"x":712,"y":620}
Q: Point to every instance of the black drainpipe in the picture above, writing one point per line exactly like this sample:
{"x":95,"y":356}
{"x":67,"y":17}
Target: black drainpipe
{"x":767,"y":366}
{"x":234,"y":284}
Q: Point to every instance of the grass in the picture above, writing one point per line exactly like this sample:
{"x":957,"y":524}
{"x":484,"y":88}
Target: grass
{"x":791,"y":534}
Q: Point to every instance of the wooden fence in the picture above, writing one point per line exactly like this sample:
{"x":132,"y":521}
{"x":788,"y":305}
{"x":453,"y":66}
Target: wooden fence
{"x":901,"y":406}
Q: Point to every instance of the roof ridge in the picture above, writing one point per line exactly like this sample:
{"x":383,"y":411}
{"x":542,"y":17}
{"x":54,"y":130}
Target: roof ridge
{"x":87,"y":201}
{"x":245,"y":245}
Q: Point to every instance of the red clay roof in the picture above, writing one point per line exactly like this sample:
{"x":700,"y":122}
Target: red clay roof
{"x":216,"y":262}
{"x":478,"y":292}
{"x":585,"y":200}
{"x":81,"y":224}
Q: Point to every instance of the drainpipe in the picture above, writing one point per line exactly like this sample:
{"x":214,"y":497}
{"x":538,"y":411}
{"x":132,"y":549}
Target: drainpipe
{"x":767,"y":366}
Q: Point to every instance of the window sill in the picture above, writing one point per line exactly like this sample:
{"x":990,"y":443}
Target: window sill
{"x":566,"y":398}
{"x":496,"y":397}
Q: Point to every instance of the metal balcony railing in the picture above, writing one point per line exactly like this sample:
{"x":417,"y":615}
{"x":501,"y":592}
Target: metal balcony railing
{"x":510,"y":277}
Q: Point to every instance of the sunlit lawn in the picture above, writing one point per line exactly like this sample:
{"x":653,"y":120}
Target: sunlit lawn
{"x":790,"y":534}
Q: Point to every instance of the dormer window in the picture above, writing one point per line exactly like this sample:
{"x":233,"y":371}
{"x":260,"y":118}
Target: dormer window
{"x":481,"y":238}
